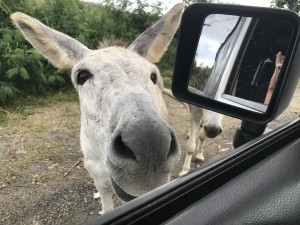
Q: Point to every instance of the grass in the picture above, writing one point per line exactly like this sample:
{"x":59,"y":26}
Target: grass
{"x":27,"y":105}
{"x":37,"y":132}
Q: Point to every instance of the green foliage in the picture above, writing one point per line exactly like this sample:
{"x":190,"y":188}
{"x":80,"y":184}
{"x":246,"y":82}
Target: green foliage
{"x":22,"y":68}
{"x":287,"y":4}
{"x":199,"y":76}
{"x":23,"y":71}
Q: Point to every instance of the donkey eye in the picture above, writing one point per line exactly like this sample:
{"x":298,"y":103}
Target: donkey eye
{"x":83,"y":76}
{"x":153,"y":77}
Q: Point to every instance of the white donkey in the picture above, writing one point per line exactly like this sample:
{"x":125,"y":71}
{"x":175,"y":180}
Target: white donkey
{"x":127,"y":145}
{"x":203,"y":123}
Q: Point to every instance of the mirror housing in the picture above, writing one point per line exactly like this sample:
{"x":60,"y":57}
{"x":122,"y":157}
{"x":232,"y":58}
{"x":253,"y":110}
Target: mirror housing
{"x":191,"y":28}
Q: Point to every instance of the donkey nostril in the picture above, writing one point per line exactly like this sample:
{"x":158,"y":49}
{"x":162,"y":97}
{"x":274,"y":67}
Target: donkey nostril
{"x":205,"y":128}
{"x":122,"y":149}
{"x":173,"y":151}
{"x":212,"y":131}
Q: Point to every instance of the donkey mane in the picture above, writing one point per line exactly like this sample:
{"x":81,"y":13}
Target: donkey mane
{"x":110,"y":42}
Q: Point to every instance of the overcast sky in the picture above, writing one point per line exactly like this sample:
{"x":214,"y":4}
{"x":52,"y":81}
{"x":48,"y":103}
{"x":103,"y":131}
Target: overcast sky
{"x":213,"y":35}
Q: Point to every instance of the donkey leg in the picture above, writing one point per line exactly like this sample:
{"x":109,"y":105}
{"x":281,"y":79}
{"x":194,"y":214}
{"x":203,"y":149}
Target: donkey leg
{"x":106,"y":194}
{"x":102,"y":182}
{"x":187,"y":164}
{"x":199,"y":149}
{"x":191,"y":146}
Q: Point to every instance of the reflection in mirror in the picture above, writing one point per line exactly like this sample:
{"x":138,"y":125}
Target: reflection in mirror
{"x":216,"y":29}
{"x":238,"y":59}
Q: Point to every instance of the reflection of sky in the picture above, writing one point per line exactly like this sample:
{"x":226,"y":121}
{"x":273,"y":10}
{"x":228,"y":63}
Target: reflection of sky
{"x":215,"y":30}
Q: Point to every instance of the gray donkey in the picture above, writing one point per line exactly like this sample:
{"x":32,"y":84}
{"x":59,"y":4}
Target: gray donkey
{"x":128,"y":146}
{"x":203,"y":124}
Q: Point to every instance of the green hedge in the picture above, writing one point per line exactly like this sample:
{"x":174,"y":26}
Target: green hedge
{"x":24,"y":71}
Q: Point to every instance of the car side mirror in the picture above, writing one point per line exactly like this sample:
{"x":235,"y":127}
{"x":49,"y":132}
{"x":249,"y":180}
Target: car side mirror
{"x":237,"y":60}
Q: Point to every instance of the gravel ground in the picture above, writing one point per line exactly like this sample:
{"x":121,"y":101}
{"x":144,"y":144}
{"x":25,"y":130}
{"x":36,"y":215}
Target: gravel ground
{"x":37,"y":152}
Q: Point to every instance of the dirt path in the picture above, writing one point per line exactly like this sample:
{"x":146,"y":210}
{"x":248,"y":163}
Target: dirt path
{"x":37,"y":151}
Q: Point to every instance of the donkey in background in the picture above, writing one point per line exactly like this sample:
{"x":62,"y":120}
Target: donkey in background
{"x":203,"y":124}
{"x":127,"y":145}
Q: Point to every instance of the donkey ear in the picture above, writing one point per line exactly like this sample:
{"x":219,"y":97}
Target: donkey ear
{"x":61,"y":50}
{"x":154,"y":41}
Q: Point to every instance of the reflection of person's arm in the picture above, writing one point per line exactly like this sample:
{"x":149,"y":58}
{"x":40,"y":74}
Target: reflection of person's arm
{"x":273,"y":79}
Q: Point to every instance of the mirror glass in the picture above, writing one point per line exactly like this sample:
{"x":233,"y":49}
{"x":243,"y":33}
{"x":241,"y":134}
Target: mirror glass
{"x":238,"y":59}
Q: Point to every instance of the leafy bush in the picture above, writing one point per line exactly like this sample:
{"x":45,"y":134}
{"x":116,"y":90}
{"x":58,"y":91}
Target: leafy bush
{"x":22,"y":68}
{"x":24,"y":71}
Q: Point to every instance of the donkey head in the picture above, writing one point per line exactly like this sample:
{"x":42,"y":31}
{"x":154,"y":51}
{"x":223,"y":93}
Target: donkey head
{"x":124,"y":137}
{"x":212,"y":123}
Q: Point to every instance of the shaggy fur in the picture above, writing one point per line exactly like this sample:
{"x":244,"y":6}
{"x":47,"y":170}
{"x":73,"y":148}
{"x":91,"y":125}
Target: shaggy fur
{"x":127,"y":145}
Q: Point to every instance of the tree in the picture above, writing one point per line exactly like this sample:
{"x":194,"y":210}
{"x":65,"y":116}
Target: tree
{"x":24,"y":71}
{"x":287,"y":4}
